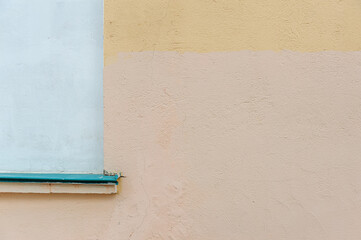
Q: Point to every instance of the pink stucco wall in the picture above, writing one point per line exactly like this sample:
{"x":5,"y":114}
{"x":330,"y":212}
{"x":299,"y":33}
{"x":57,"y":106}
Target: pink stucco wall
{"x":230,"y":120}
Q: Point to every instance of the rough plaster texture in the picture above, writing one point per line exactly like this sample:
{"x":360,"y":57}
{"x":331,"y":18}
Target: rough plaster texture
{"x":239,"y":145}
{"x":231,"y":25}
{"x":251,"y":145}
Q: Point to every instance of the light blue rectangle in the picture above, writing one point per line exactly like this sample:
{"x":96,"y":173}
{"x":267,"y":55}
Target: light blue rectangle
{"x":51,"y":102}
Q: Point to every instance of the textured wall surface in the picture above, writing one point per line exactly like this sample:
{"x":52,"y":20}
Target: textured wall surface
{"x":46,"y":57}
{"x":231,"y":120}
{"x":231,"y":25}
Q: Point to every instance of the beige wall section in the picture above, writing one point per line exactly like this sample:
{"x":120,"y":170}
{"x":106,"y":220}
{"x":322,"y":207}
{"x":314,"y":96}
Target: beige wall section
{"x":243,"y":145}
{"x":231,"y":25}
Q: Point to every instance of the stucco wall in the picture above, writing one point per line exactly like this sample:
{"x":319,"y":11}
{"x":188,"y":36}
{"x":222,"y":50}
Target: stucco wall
{"x":230,"y":119}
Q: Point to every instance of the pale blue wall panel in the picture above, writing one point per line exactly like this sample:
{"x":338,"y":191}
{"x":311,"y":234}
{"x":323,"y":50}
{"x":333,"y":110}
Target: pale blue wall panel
{"x":51,"y":108}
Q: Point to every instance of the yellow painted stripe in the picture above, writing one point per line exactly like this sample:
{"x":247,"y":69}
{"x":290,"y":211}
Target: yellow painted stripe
{"x":231,"y":25}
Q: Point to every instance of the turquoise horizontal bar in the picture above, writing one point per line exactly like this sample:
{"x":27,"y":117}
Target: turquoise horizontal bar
{"x":59,"y":178}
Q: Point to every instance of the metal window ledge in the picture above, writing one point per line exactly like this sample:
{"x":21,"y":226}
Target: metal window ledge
{"x":58,"y":183}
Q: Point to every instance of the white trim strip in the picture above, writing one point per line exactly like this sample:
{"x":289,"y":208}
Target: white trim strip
{"x":26,"y":187}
